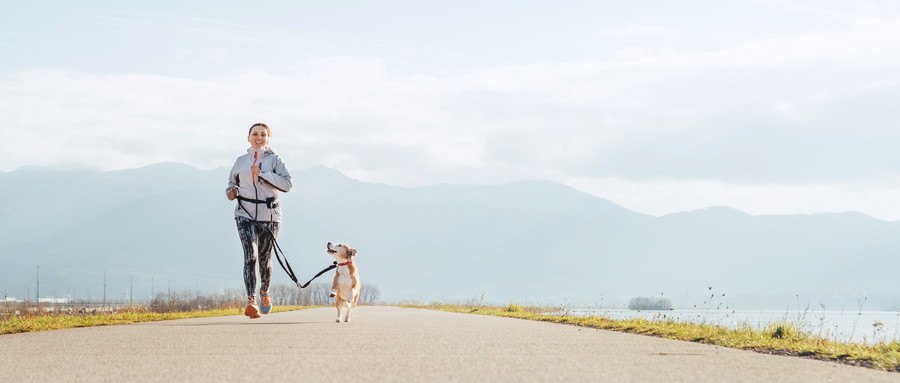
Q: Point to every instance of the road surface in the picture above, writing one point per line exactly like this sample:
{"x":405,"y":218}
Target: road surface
{"x":389,"y":344}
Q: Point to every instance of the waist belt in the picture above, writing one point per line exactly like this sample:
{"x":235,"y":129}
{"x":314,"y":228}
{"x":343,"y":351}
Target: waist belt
{"x":270,"y":202}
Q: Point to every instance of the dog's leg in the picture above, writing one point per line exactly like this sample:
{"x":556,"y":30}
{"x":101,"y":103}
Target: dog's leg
{"x":345,"y":306}
{"x":334,"y":284}
{"x":351,"y":303}
{"x":337,"y":305}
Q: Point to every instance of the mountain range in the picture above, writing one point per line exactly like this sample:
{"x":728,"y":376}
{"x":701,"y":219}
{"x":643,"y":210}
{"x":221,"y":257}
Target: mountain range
{"x":169,"y":226}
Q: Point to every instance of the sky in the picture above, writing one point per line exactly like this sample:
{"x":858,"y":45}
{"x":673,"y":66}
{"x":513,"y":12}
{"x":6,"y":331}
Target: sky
{"x":770,"y":107}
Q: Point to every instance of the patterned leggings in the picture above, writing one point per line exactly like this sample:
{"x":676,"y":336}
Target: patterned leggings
{"x":257,"y":243}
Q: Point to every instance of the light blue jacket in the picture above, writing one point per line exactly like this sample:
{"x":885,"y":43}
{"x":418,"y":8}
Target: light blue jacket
{"x":273,"y":177}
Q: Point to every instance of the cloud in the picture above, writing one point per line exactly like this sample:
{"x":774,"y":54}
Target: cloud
{"x":661,"y":197}
{"x":837,"y":11}
{"x":807,"y":109}
{"x":638,"y":30}
{"x":179,"y":27}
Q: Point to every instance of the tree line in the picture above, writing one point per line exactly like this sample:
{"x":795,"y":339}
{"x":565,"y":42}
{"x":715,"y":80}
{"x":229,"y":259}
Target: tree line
{"x":282,"y":295}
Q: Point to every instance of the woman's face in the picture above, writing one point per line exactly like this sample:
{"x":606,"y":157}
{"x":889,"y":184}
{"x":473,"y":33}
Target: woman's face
{"x":259,"y":137}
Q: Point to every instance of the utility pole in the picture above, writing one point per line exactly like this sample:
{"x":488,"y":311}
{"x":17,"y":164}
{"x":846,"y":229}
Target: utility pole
{"x":37,"y":293}
{"x":104,"y":289}
{"x":151,"y":289}
{"x":131,"y":292}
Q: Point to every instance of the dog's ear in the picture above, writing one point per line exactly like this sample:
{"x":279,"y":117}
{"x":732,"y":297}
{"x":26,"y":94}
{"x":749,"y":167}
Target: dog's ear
{"x":352,"y":253}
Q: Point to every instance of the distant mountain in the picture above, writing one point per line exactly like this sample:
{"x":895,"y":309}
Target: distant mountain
{"x":532,"y":241}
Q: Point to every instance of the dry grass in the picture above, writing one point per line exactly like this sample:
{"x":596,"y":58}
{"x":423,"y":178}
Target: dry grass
{"x":778,"y":338}
{"x":33,"y":323}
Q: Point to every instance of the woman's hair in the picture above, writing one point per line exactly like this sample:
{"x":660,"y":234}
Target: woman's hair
{"x":268,"y":129}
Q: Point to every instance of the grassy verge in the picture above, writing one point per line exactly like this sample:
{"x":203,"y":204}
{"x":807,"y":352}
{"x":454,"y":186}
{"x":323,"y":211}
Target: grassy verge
{"x":57,"y":322}
{"x":778,"y":338}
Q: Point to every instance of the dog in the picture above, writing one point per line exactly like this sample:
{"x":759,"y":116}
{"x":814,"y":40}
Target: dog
{"x":345,"y":287}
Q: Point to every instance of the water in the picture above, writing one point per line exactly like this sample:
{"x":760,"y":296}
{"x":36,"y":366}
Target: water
{"x":846,"y":326}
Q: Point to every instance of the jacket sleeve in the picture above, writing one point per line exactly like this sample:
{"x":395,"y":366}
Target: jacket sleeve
{"x":232,"y":178}
{"x":279,"y":178}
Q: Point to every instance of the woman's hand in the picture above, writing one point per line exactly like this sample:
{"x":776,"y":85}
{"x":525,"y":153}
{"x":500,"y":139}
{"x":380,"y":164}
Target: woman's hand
{"x":254,"y":170}
{"x":231,"y":194}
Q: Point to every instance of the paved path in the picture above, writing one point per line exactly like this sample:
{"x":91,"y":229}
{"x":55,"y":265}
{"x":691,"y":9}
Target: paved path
{"x":389,"y":344}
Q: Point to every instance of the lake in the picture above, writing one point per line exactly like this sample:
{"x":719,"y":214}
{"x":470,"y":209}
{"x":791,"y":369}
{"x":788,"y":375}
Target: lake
{"x":846,"y":326}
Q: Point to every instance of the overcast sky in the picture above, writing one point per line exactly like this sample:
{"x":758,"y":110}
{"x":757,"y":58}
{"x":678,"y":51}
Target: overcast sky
{"x":770,"y":107}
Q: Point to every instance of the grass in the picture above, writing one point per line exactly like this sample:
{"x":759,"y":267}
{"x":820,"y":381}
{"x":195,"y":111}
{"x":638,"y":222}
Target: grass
{"x":134,"y":315}
{"x":777,"y":338}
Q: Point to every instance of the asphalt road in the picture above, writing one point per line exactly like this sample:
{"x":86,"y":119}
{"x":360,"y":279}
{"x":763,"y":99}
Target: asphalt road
{"x":389,"y":344}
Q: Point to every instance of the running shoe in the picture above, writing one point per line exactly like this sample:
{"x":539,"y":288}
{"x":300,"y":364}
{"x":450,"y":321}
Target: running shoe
{"x":266,"y":302}
{"x":251,"y":310}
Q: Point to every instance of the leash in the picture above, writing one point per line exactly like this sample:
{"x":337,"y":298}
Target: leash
{"x":282,"y":259}
{"x":279,"y":254}
{"x":332,"y":267}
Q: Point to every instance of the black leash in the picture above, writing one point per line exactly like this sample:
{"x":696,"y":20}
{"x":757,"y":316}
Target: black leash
{"x":279,"y":255}
{"x":333,"y":266}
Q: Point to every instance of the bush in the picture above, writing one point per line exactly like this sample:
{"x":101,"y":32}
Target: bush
{"x":646,"y":303}
{"x":181,"y":301}
{"x":779,"y":330}
{"x":514,"y":308}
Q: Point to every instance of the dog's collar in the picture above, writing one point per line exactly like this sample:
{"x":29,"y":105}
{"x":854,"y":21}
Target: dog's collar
{"x":350,"y":262}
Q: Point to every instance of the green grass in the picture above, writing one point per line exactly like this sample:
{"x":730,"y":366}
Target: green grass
{"x":778,"y":338}
{"x":56,"y":322}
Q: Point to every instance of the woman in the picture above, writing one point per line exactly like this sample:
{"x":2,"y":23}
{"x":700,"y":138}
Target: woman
{"x":255,"y":180}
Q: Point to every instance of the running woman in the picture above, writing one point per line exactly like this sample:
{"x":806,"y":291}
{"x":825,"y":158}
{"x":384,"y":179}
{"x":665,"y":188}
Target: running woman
{"x":255,"y":180}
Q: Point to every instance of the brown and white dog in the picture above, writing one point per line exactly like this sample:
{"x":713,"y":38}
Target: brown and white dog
{"x":345,"y":287}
